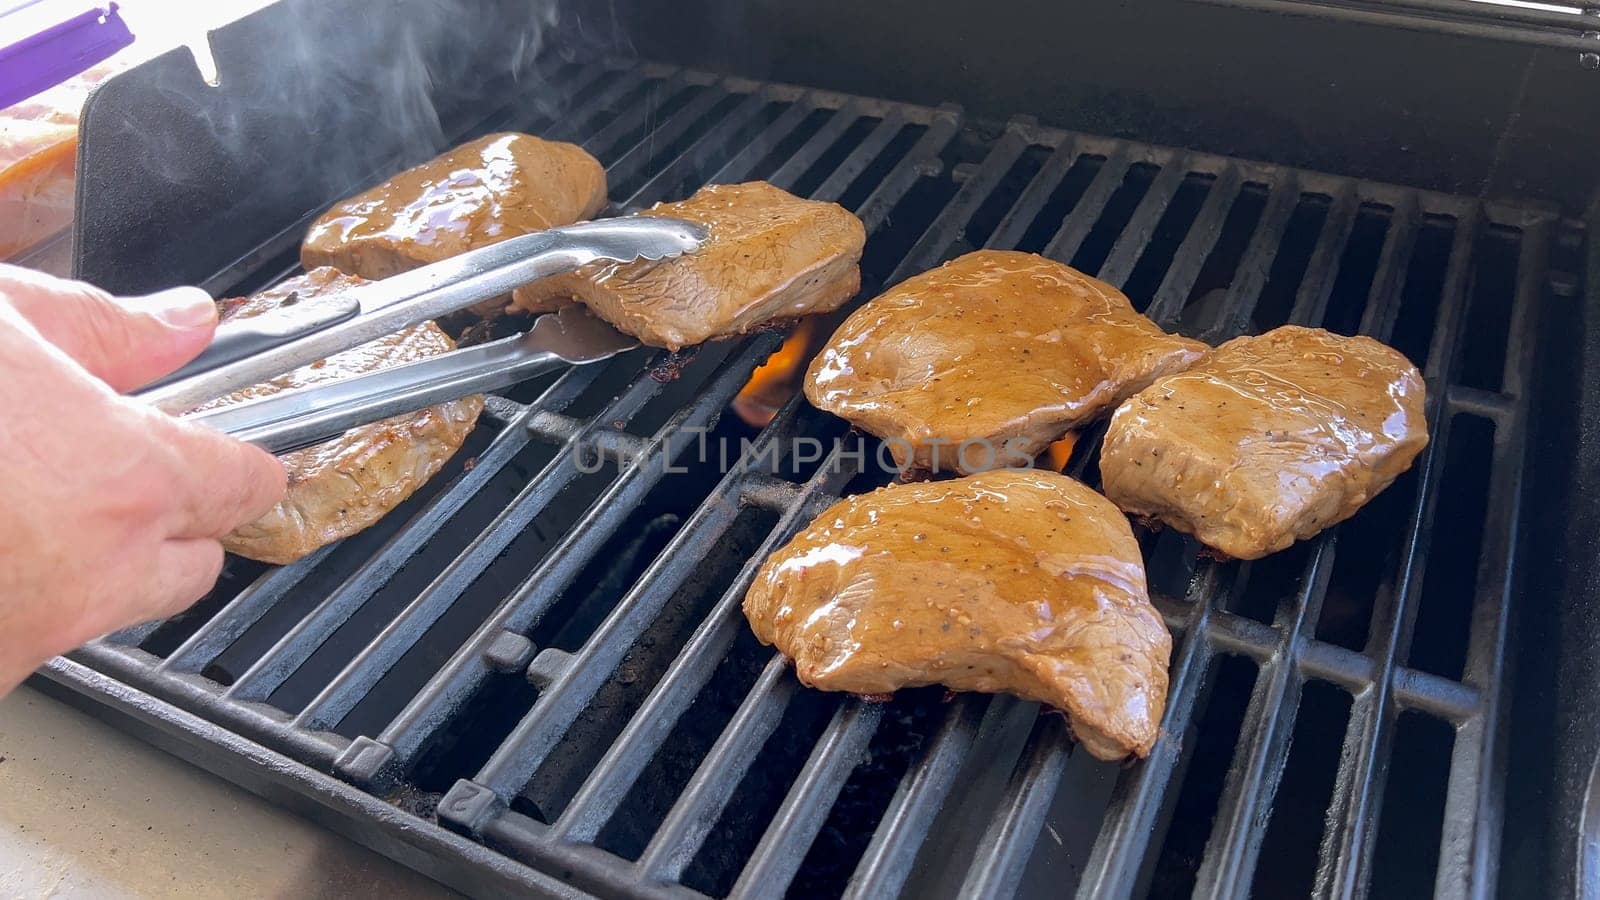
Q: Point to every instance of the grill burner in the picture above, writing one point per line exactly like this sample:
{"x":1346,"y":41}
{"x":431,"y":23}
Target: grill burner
{"x":553,"y":663}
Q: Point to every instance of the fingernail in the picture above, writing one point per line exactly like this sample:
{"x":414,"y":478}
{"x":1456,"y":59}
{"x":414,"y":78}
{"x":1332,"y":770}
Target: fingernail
{"x":180,"y":307}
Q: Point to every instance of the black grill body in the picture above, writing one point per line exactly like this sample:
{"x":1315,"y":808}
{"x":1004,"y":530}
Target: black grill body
{"x":534,"y":676}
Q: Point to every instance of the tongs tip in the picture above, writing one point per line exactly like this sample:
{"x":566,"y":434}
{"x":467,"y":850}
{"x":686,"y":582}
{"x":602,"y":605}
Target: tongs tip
{"x":680,"y":236}
{"x":636,"y":237}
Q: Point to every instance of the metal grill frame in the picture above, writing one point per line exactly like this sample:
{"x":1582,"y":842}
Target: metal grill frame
{"x":1471,"y":18}
{"x":234,"y":732}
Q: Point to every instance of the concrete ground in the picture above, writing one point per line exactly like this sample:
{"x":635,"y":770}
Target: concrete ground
{"x":87,"y":811}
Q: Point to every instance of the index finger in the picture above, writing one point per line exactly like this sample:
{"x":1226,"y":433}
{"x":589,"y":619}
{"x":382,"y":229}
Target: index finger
{"x":220,"y":483}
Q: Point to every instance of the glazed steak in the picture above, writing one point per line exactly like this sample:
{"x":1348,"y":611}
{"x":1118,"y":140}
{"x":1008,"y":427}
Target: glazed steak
{"x":1026,"y":582}
{"x":482,"y":192}
{"x":771,"y":255}
{"x":339,"y":487}
{"x":988,"y":358}
{"x":1269,"y":441}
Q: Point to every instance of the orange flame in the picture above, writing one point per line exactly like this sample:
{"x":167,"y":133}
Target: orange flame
{"x":1059,"y":453}
{"x":776,"y":380}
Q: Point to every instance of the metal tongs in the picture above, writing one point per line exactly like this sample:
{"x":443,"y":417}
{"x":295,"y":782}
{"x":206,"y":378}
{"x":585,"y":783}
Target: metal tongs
{"x":260,"y":348}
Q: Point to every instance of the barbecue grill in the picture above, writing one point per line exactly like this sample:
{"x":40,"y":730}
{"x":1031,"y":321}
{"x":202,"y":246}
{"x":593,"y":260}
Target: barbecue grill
{"x":534,"y":676}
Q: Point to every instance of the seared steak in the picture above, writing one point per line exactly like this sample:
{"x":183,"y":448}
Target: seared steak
{"x":1026,"y":582}
{"x":771,"y":255}
{"x":339,"y":487}
{"x":985,"y":360}
{"x":493,"y":188}
{"x":1269,"y":441}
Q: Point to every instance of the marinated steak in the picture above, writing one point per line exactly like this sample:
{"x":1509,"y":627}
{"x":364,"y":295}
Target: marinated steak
{"x":771,"y":255}
{"x":339,"y":487}
{"x":480,"y":193}
{"x":1269,"y":441}
{"x":1022,"y":581}
{"x":984,"y":361}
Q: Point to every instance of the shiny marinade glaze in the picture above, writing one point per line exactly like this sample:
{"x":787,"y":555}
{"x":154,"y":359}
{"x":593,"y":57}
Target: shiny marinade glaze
{"x":1026,"y":582}
{"x":1270,"y":440}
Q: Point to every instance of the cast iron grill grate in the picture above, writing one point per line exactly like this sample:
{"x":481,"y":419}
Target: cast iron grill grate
{"x":544,"y":648}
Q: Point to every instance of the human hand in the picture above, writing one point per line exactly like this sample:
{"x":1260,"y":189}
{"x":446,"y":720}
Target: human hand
{"x":110,"y":511}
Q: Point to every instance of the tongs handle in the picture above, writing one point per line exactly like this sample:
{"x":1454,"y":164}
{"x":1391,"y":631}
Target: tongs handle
{"x":385,"y":306}
{"x":243,"y":338}
{"x":301,"y":418}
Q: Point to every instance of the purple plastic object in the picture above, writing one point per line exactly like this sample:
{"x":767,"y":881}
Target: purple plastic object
{"x":58,"y":51}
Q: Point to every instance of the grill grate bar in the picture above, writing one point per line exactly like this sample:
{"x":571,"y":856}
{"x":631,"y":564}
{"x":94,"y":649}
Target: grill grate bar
{"x":629,"y":164}
{"x":571,"y":82}
{"x":744,"y":162}
{"x":1136,"y":235}
{"x":1069,"y":237}
{"x":920,"y":161}
{"x":608,"y":784}
{"x":133,"y":635}
{"x":816,"y":145}
{"x":1196,"y":246}
{"x":467,"y":669}
{"x":243,"y":611}
{"x":1125,"y":835}
{"x":1414,"y":689}
{"x":251,"y":604}
{"x":200,"y":696}
{"x":861,"y":157}
{"x":291,"y":652}
{"x":1442,"y":698}
{"x":554,"y":574}
{"x":584,"y":868}
{"x":1353,"y":814}
{"x":1240,"y":635}
{"x":1346,"y":854}
{"x":1003,"y":852}
{"x":843,"y":745}
{"x":695,"y":155}
{"x":728,"y":606}
{"x":1337,"y":665}
{"x":628,"y":81}
{"x":1311,"y":301}
{"x":1383,"y":303}
{"x":684,"y":830}
{"x":1246,"y":802}
{"x":1017,"y":220}
{"x":627,"y":490}
{"x":636,"y":116}
{"x":515,"y":761}
{"x":1467,"y":847}
{"x":1444,"y":348}
{"x":1486,"y":404}
{"x":1251,"y":276}
{"x":947,"y":227}
{"x":889,"y":858}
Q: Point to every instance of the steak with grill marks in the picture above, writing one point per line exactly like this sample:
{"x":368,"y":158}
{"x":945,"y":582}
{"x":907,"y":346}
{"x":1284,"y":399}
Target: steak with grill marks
{"x":770,"y":255}
{"x":1269,"y":441}
{"x":340,"y":487}
{"x":986,"y":360}
{"x":483,"y":192}
{"x":1022,"y":581}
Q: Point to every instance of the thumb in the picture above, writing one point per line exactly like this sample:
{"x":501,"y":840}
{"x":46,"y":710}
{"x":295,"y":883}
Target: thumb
{"x":124,"y":342}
